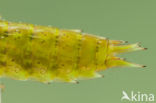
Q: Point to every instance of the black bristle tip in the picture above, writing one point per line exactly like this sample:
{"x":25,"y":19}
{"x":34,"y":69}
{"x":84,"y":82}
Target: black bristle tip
{"x":102,"y":76}
{"x":144,"y":66}
{"x":145,"y":48}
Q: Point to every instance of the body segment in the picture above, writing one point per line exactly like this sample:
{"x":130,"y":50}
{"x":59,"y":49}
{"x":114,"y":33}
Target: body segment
{"x":47,"y":53}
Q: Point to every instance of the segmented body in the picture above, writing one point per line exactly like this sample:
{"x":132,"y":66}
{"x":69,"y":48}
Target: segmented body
{"x":46,"y":54}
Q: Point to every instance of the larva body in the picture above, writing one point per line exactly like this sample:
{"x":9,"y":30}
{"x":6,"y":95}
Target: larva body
{"x":47,"y":54}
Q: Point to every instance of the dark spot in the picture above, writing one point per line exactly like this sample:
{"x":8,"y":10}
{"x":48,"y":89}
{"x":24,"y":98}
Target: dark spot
{"x":54,"y":66}
{"x":42,"y":41}
{"x":78,"y":57}
{"x":67,"y":36}
{"x":97,"y":48}
{"x":57,"y":36}
{"x":5,"y":35}
{"x":63,"y":48}
{"x":78,"y":48}
{"x":16,"y":71}
{"x":64,"y":34}
{"x":144,"y":66}
{"x":6,"y":32}
{"x":62,"y":65}
{"x":31,"y":37}
{"x":38,"y":62}
{"x":3,"y":63}
{"x":79,"y":44}
{"x":13,"y":60}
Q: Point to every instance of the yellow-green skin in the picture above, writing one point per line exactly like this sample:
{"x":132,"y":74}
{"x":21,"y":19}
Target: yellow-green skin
{"x":47,"y":54}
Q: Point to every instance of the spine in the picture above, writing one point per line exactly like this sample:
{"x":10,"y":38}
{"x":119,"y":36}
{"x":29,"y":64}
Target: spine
{"x":116,"y":48}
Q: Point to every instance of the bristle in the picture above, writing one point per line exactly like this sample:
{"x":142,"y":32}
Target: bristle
{"x":97,"y":75}
{"x":121,"y":63}
{"x":126,"y":48}
{"x":116,"y":58}
{"x":76,"y":30}
{"x":116,"y":42}
{"x":136,"y":65}
{"x":74,"y":81}
{"x":145,"y":48}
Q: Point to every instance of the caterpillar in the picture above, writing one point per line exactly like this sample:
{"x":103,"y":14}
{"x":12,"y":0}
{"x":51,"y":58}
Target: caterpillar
{"x":48,"y":54}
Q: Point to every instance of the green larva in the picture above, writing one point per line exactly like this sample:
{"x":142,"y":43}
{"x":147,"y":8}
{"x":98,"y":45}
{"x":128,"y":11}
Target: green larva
{"x":49,"y":54}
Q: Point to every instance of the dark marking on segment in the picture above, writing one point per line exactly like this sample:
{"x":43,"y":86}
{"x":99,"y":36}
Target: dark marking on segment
{"x":78,"y":50}
{"x":107,"y":48}
{"x":96,"y":50}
